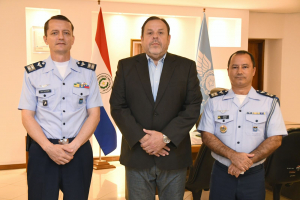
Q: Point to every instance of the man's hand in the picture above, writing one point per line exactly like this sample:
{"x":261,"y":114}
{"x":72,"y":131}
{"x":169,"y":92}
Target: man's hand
{"x":155,"y":142}
{"x":70,"y":148}
{"x":162,"y":152}
{"x":58,"y":153}
{"x":144,"y":139}
{"x":241,"y":161}
{"x":234,"y":171}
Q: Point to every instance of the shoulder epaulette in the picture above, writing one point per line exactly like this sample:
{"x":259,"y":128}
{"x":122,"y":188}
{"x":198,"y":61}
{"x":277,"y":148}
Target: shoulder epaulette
{"x":87,"y":65}
{"x":268,"y":95}
{"x":220,"y":93}
{"x":35,"y":66}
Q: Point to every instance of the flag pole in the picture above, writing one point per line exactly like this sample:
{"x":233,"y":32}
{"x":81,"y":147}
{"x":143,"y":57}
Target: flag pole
{"x":105,"y":126}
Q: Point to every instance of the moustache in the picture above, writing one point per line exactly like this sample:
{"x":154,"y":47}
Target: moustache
{"x":155,"y":41}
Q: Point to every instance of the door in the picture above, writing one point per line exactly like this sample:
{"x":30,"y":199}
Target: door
{"x":257,"y":48}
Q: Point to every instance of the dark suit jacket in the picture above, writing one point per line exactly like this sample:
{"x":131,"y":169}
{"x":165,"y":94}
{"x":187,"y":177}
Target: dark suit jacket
{"x":174,"y":113}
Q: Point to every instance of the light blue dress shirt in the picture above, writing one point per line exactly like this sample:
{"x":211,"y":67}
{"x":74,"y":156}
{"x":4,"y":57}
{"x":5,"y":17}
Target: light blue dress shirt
{"x":245,"y":123}
{"x":155,"y":73}
{"x":60,"y":108}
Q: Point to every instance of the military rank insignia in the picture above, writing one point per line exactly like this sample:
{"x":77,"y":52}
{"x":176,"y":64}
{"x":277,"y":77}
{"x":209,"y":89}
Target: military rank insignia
{"x":87,"y":65}
{"x":223,"y":129}
{"x":35,"y":66}
{"x":220,"y":93}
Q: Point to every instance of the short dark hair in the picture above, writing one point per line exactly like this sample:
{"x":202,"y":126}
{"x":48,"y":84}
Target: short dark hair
{"x":241,"y":52}
{"x":155,"y":18}
{"x":59,"y":17}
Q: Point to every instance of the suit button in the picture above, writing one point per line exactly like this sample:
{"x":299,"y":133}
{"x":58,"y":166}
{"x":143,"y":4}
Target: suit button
{"x":239,"y":126}
{"x":63,"y":98}
{"x":63,"y":83}
{"x":64,"y":111}
{"x":238,"y":142}
{"x":44,"y":95}
{"x":64,"y":123}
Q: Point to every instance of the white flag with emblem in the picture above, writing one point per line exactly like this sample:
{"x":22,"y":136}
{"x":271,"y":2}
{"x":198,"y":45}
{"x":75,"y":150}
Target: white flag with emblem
{"x":204,"y":64}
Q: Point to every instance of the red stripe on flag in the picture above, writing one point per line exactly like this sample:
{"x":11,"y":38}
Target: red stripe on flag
{"x":101,"y":41}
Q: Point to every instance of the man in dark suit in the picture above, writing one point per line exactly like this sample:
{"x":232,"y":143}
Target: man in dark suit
{"x":155,"y":101}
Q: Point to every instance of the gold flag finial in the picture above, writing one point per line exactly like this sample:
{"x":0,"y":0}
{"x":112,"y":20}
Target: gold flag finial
{"x":203,"y":9}
{"x":98,"y":2}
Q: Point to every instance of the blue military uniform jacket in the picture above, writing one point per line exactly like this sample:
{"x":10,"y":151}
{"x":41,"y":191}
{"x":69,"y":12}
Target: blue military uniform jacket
{"x":241,"y":127}
{"x":60,"y":105}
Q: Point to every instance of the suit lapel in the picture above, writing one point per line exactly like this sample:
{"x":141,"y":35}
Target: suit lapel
{"x":142,"y":69}
{"x":167,"y":71}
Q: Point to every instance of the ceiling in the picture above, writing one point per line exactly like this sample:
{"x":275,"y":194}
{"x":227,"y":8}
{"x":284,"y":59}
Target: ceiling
{"x":271,"y":6}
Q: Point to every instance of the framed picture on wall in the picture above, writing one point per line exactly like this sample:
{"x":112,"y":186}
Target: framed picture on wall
{"x":135,"y":47}
{"x":38,"y":43}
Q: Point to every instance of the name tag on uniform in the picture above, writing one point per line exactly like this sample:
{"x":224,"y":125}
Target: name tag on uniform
{"x":223,"y":117}
{"x":44,"y":91}
{"x":80,"y":101}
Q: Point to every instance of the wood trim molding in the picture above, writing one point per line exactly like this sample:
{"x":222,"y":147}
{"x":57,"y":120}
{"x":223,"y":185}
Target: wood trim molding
{"x":108,"y":158}
{"x":14,"y":166}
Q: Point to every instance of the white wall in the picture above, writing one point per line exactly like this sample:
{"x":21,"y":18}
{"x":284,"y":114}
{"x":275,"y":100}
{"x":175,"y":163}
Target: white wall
{"x":281,"y":58}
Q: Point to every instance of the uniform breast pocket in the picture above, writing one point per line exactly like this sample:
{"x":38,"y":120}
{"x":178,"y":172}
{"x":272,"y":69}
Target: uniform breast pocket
{"x":80,"y":96}
{"x":224,"y":124}
{"x":46,"y":97}
{"x":255,"y":124}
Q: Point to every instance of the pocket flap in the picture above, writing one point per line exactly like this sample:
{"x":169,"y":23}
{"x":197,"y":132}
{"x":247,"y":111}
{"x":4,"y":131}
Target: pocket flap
{"x":256,"y":118}
{"x":45,"y":93}
{"x":223,"y":118}
{"x":81,"y":91}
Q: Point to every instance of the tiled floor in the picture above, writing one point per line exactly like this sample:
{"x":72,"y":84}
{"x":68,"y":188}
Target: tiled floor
{"x":107,"y":184}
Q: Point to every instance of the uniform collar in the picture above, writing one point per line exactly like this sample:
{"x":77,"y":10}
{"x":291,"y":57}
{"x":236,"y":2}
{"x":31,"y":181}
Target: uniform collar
{"x":51,"y":66}
{"x":251,"y":94}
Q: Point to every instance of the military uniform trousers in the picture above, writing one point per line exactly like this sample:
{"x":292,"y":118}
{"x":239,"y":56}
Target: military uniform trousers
{"x":248,"y":186}
{"x":45,"y":177}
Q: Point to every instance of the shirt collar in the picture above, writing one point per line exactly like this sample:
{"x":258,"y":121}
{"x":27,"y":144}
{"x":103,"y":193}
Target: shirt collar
{"x":251,"y":94}
{"x":50,"y":65}
{"x":161,"y":60}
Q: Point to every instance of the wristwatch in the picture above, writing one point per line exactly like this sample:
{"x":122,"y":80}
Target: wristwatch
{"x":166,"y":139}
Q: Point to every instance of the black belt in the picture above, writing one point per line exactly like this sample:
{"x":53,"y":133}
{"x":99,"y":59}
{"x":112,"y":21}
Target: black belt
{"x":57,"y":141}
{"x":251,"y":170}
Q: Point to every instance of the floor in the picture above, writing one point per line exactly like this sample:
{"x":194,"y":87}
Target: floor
{"x":107,"y":184}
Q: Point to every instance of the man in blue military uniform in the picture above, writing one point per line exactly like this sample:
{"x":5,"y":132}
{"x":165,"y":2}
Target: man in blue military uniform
{"x":241,"y":127}
{"x":60,"y":105}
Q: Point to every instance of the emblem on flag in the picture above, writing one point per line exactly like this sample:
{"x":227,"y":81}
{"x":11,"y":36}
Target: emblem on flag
{"x":204,"y":64}
{"x":105,"y":82}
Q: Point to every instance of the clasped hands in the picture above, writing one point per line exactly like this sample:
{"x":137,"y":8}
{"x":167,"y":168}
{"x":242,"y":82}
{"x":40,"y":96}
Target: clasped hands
{"x":153,"y":143}
{"x":61,"y":154}
{"x":240,"y":162}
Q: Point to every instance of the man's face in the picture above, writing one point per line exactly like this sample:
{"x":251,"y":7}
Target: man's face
{"x":59,"y":36}
{"x":155,"y":39}
{"x":241,"y":71}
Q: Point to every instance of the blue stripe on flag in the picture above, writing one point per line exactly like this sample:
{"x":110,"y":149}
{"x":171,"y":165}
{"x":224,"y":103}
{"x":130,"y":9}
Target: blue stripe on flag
{"x":105,"y":133}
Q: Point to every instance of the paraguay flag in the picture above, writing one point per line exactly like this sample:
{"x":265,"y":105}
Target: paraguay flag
{"x":204,"y":63}
{"x":105,"y":132}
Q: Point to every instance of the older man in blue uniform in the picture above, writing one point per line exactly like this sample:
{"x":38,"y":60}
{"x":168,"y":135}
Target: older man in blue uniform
{"x":241,"y":127}
{"x":60,"y":105}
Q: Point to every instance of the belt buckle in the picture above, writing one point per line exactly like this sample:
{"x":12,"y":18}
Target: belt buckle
{"x":63,"y":141}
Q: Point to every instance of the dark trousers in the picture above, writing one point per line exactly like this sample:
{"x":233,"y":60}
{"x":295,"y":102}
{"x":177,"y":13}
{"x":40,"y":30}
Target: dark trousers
{"x":248,"y":186}
{"x":45,"y":177}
